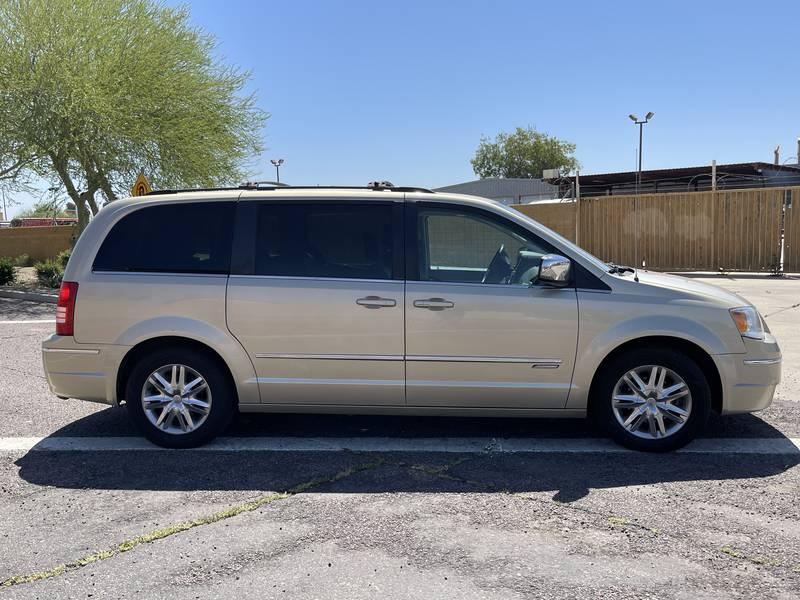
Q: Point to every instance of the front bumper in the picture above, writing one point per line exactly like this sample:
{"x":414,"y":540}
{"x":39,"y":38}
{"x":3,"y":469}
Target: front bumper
{"x":749,"y":380}
{"x":80,"y":371}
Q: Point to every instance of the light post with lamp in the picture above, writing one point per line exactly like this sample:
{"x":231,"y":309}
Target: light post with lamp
{"x":277,"y":163}
{"x":636,"y":120}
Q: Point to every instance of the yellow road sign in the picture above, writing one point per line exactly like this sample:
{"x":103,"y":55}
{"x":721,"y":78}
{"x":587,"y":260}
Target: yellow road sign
{"x":141,"y":187}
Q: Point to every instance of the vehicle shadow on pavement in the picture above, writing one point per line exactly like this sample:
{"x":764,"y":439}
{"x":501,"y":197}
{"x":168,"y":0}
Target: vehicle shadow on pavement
{"x":569,"y":476}
{"x":112,"y":422}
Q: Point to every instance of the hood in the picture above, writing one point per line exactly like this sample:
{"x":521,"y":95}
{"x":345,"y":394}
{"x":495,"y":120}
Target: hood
{"x":692,"y":288}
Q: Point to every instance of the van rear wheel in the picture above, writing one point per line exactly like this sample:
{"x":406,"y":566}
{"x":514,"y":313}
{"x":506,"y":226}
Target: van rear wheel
{"x":179,"y":398}
{"x":653,"y":399}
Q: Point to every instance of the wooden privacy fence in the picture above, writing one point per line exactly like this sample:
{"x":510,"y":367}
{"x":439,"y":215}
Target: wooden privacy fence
{"x":737,"y":230}
{"x":791,"y":247}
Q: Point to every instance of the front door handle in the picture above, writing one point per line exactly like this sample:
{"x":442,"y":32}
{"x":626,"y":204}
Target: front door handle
{"x":434,"y":303}
{"x":376,"y":302}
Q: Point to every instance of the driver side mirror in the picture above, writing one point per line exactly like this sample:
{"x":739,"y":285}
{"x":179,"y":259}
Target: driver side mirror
{"x":555,"y":270}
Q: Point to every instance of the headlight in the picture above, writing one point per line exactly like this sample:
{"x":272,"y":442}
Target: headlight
{"x":748,"y":322}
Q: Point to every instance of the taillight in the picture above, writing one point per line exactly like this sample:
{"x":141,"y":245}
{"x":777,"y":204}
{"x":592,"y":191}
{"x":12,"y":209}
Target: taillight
{"x":65,"y":309}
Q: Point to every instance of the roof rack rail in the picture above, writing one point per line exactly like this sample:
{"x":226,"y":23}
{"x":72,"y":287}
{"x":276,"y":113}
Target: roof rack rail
{"x":378,"y":186}
{"x":182,"y":190}
{"x":257,"y":184}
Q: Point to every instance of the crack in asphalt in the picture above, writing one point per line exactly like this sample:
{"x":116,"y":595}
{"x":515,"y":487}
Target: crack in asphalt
{"x":6,"y":367}
{"x":170,"y":530}
{"x":20,"y":336}
{"x":780,"y":310}
{"x":618,"y":521}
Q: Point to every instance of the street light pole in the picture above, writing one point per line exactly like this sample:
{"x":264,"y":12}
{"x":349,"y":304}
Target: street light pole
{"x":639,"y":174}
{"x":277,"y":162}
{"x":636,"y":120}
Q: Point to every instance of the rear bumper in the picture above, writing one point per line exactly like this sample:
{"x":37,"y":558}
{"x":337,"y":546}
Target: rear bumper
{"x":749,"y":380}
{"x":80,"y":371}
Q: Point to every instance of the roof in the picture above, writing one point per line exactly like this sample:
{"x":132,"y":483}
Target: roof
{"x":750,"y":168}
{"x":330,"y":193}
{"x":500,"y":187}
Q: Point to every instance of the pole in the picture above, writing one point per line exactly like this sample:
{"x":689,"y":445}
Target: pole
{"x":639,"y":174}
{"x":636,"y":203}
{"x":713,"y":175}
{"x":278,"y":173}
{"x":577,"y":206}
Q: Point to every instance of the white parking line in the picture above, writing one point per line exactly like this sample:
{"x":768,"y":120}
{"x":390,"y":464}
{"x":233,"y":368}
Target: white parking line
{"x":775,"y":446}
{"x":27,"y":322}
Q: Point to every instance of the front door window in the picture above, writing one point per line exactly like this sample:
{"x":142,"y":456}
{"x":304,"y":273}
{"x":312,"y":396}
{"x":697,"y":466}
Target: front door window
{"x":464,"y":247}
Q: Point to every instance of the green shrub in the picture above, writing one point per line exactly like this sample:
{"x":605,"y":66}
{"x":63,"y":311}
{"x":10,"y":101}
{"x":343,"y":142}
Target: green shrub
{"x":63,"y":257}
{"x":23,"y":260}
{"x":49,"y":273}
{"x":7,"y":272}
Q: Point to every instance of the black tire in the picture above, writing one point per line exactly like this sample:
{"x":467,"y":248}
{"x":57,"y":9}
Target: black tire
{"x":222,"y":406}
{"x":673,"y":360}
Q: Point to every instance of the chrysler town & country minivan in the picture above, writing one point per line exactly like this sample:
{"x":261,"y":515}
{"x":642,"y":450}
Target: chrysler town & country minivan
{"x":189,"y":306}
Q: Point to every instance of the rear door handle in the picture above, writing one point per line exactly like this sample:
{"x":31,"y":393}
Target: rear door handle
{"x":434,"y":303}
{"x":376,"y":302}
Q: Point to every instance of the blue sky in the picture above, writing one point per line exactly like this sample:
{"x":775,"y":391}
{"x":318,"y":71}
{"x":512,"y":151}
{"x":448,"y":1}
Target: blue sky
{"x":404,"y":90}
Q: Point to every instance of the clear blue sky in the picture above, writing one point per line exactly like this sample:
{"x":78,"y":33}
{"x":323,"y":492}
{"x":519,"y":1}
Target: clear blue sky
{"x":404,"y":90}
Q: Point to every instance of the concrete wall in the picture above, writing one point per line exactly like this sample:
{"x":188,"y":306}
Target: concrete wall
{"x":38,"y":242}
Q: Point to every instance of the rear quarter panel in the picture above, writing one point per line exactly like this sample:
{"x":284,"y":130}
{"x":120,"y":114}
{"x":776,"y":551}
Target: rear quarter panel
{"x":125,"y":309}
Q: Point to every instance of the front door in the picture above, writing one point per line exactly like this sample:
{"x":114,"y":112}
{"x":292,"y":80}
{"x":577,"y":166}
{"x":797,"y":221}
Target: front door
{"x":480,"y":332}
{"x":316,"y":299}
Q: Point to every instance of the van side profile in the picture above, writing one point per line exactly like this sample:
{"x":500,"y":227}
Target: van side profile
{"x":188,"y":307}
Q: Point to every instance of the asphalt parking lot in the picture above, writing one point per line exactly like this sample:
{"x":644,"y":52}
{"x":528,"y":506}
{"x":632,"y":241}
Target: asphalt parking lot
{"x":576,"y":518}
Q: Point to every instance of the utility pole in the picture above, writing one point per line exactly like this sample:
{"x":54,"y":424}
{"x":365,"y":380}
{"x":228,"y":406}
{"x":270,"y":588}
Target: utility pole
{"x":277,"y":163}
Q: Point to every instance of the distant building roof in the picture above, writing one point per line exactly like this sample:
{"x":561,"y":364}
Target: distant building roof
{"x":504,"y":189}
{"x":730,"y":176}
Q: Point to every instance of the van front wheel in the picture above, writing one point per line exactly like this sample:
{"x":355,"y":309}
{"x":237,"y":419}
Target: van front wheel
{"x":179,"y":398}
{"x":654,"y":400}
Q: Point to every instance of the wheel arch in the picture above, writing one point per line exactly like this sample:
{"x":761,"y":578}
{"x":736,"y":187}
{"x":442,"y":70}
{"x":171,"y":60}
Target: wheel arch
{"x":690,"y":349}
{"x":144,"y":347}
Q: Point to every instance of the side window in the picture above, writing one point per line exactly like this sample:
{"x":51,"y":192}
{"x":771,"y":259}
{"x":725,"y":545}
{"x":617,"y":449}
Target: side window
{"x":463,"y":246}
{"x":171,"y":238}
{"x":351,"y":241}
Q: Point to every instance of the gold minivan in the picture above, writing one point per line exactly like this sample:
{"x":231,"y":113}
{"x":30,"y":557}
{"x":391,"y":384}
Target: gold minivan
{"x":188,"y":306}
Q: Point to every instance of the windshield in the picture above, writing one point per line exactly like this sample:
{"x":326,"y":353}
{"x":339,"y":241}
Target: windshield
{"x":568,"y":246}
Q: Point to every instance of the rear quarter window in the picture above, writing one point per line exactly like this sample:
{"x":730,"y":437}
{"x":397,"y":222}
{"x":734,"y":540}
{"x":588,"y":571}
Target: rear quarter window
{"x":171,"y":238}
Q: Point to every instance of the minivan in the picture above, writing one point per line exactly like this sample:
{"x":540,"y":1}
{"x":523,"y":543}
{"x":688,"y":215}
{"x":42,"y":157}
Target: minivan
{"x":188,"y":306}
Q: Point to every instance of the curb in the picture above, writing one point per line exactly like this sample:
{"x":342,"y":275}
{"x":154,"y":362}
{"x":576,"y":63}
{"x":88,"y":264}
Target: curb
{"x":29,"y":296}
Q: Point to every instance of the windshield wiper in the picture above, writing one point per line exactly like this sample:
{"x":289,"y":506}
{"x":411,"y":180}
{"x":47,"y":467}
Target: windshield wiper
{"x":619,"y":268}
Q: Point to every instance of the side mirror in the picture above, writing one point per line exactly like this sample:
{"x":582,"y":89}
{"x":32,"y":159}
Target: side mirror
{"x":555,"y":270}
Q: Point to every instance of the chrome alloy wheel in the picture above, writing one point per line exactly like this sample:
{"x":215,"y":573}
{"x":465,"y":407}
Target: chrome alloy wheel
{"x":651,"y":402}
{"x":176,"y":399}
